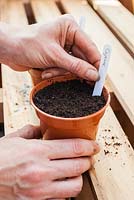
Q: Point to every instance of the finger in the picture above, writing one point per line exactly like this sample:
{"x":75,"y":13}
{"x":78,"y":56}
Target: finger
{"x":52,"y":72}
{"x":45,"y":171}
{"x":78,"y":53}
{"x":27,"y":132}
{"x":67,"y":188}
{"x":52,"y":190}
{"x":58,"y":199}
{"x":67,"y":168}
{"x":75,"y":65}
{"x":69,"y":148}
{"x":89,"y":49}
{"x":20,"y":68}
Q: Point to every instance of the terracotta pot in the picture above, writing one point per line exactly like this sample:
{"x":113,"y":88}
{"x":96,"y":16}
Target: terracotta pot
{"x":60,"y":128}
{"x":36,"y":75}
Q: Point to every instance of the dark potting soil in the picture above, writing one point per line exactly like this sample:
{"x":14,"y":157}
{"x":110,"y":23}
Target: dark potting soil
{"x":68,"y":99}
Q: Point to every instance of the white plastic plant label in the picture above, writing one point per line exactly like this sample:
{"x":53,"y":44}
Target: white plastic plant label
{"x":102,"y":70}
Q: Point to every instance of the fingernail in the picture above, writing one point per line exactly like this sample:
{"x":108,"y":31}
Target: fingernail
{"x":46,"y":75}
{"x":92,"y":75}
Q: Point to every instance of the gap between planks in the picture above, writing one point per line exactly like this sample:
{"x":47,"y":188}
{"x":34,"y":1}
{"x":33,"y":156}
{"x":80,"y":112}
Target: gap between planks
{"x":1,"y":105}
{"x":17,"y":109}
{"x":119,"y":20}
{"x":113,"y":162}
{"x":120,"y":59}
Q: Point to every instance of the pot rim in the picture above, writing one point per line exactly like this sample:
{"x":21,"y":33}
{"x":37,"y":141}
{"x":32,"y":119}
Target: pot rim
{"x":63,"y":118}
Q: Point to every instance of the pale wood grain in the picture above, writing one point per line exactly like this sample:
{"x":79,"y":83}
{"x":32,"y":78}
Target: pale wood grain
{"x":109,"y":184}
{"x":16,"y":85}
{"x":1,"y":105}
{"x":41,"y":10}
{"x":1,"y":95}
{"x":119,"y":19}
{"x":121,"y":68}
{"x":113,"y":173}
{"x":45,"y":10}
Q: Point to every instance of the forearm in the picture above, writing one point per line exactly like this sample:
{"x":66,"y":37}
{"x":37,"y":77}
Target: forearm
{"x":11,"y":37}
{"x":5,"y":43}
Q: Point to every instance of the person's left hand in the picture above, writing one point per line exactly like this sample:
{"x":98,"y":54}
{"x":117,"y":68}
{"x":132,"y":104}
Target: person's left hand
{"x":47,"y":46}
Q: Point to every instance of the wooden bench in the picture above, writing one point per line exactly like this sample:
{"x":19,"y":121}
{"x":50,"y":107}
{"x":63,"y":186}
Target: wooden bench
{"x":118,"y":19}
{"x":129,"y":4}
{"x":113,"y":175}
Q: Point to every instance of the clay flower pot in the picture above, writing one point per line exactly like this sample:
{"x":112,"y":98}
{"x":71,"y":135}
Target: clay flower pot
{"x":60,"y":128}
{"x":36,"y":75}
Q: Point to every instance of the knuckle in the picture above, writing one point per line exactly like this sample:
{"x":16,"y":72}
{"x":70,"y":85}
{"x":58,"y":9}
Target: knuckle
{"x":28,"y":128}
{"x":78,"y":147}
{"x":78,"y":167}
{"x":31,"y":174}
{"x":76,"y":67}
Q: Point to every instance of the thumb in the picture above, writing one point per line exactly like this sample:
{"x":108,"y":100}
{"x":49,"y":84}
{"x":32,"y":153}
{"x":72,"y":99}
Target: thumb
{"x":76,"y":65}
{"x":27,"y":132}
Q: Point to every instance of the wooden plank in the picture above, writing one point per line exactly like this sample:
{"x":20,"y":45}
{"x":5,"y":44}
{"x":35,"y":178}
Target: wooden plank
{"x":115,"y":163}
{"x":16,"y":85}
{"x":1,"y":95}
{"x":129,"y":4}
{"x":42,"y":14}
{"x":0,"y":77}
{"x":86,"y":193}
{"x":45,"y":10}
{"x":121,"y":69}
{"x":1,"y":105}
{"x":115,"y":15}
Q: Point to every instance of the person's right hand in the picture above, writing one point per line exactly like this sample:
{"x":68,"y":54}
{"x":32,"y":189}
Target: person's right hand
{"x":36,"y":169}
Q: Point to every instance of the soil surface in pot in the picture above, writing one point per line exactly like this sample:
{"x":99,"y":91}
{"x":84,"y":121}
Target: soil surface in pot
{"x":68,"y":99}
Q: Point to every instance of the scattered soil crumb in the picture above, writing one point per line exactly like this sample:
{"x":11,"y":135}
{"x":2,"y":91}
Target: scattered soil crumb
{"x":106,"y":152}
{"x":117,"y":144}
{"x":107,"y":144}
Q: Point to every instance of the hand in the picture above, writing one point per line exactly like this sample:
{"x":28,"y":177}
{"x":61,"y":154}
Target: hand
{"x":36,"y":169}
{"x":47,"y":46}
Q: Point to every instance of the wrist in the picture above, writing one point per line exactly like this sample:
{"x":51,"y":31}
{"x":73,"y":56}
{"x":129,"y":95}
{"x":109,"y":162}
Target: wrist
{"x":8,"y":43}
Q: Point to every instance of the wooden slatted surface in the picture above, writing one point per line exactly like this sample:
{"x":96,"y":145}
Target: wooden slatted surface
{"x":1,"y":105}
{"x":129,"y":4}
{"x":117,"y":157}
{"x":16,"y":85}
{"x":119,"y":19}
{"x":42,"y":15}
{"x":112,"y":176}
{"x":120,"y":60}
{"x":45,"y":10}
{"x":1,"y":95}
